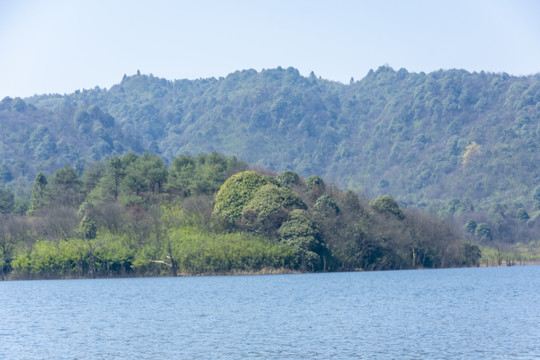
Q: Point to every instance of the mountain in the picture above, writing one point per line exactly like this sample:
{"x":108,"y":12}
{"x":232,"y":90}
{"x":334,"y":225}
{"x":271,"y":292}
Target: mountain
{"x":464,"y":145}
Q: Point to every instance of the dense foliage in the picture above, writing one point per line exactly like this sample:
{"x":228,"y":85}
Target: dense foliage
{"x":134,"y":216}
{"x":463,"y":145}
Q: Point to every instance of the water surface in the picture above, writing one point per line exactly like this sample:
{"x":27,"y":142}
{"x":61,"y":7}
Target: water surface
{"x":478,"y":313}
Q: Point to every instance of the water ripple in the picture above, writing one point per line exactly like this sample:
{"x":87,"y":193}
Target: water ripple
{"x":436,"y":314}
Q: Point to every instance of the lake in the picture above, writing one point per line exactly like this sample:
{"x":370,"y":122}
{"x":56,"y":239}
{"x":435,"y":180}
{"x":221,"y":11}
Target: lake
{"x":473,"y":313}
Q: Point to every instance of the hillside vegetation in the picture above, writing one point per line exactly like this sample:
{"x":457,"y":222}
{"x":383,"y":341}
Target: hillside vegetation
{"x":134,"y":216}
{"x":459,"y":144}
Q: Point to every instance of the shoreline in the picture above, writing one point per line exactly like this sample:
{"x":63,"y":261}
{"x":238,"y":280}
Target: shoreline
{"x":517,"y":263}
{"x":268,"y":271}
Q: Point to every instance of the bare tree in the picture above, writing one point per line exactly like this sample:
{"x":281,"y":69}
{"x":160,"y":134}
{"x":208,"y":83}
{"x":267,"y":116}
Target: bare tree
{"x":13,"y":233}
{"x":57,"y":222}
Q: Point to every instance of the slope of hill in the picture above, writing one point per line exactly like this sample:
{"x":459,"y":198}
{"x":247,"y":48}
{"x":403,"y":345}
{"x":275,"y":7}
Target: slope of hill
{"x":461,"y":144}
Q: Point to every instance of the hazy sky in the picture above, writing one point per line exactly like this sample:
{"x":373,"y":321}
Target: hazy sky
{"x":59,"y":46}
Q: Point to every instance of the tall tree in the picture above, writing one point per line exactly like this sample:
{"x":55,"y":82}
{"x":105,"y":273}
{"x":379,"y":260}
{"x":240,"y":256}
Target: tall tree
{"x":66,"y":187}
{"x":37,"y":200}
{"x":6,"y":200}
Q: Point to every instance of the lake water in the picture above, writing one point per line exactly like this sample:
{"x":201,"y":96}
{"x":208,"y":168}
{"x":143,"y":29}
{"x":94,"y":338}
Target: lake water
{"x":479,"y":313}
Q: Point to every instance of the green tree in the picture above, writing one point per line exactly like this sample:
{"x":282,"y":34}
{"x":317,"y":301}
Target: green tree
{"x":203,"y":174}
{"x":7,"y":200}
{"x":302,"y":235}
{"x":66,"y":187}
{"x":351,"y":203}
{"x":236,"y":193}
{"x":116,"y":170}
{"x":483,"y":232}
{"x":470,"y":226}
{"x":269,"y":207}
{"x":181,"y":175}
{"x":87,"y":228}
{"x":387,"y":205}
{"x":326,"y":205}
{"x":153,"y":171}
{"x":92,"y":175}
{"x":471,"y":254}
{"x":315,"y":187}
{"x":453,"y":207}
{"x":314,"y":181}
{"x":143,"y":174}
{"x":522,"y":215}
{"x":288,"y":178}
{"x":37,"y":200}
{"x":82,"y":121}
{"x":95,"y":113}
{"x":134,"y":183}
{"x":212,"y":171}
{"x":5,"y":174}
{"x":21,"y":206}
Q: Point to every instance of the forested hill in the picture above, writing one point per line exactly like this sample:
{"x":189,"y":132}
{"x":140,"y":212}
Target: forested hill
{"x":462,"y":144}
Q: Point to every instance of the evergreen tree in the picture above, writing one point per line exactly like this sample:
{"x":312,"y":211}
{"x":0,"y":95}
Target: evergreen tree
{"x":37,"y":199}
{"x":5,"y":174}
{"x":6,"y":201}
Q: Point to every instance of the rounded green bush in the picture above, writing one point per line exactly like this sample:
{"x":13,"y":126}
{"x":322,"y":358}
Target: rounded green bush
{"x":236,"y":193}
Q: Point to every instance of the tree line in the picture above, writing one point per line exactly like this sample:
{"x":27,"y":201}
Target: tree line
{"x":133,"y":215}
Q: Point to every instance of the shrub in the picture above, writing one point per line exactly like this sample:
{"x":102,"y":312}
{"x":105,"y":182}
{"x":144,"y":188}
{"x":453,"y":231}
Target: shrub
{"x":387,"y":205}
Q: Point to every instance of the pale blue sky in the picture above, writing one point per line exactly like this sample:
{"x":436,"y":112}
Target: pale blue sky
{"x":59,"y":46}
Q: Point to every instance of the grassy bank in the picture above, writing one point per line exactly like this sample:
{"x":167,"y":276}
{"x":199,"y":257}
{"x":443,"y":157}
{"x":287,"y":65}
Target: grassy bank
{"x":188,"y":251}
{"x":519,"y":254}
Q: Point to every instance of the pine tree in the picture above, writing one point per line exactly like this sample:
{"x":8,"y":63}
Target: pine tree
{"x":37,"y":200}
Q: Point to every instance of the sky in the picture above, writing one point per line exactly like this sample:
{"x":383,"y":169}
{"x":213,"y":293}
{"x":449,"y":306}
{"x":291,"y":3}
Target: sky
{"x":59,"y":46}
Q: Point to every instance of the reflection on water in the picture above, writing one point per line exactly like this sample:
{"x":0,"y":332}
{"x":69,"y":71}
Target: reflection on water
{"x":481,"y":313}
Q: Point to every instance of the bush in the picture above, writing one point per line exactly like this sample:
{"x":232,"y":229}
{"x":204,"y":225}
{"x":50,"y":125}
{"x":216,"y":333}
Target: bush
{"x":288,"y":178}
{"x":326,"y":205}
{"x":314,"y":181}
{"x":236,"y":193}
{"x":270,"y":207}
{"x":387,"y":205}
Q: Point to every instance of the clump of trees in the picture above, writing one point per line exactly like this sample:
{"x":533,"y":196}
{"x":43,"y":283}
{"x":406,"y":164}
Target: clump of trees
{"x":135,"y":216}
{"x":330,"y":229}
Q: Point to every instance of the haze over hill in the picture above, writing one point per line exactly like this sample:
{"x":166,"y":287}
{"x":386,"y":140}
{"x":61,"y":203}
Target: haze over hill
{"x":461,"y":144}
